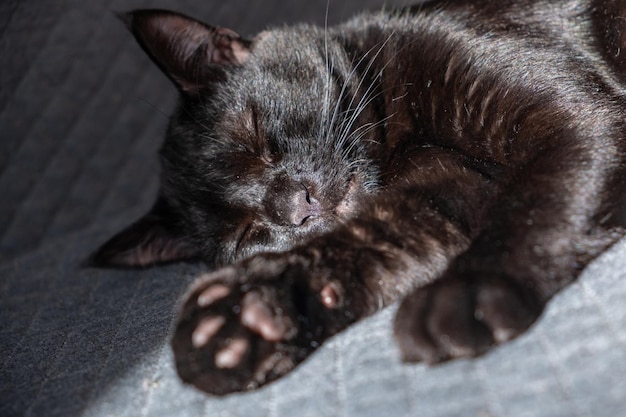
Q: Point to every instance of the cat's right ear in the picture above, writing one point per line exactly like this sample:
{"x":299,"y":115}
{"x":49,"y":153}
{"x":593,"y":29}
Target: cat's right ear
{"x":153,"y":239}
{"x":187,"y":50}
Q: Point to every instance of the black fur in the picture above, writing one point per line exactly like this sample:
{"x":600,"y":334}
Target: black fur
{"x":466,"y":157}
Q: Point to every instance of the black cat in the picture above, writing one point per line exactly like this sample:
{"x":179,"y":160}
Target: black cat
{"x":466,"y":157}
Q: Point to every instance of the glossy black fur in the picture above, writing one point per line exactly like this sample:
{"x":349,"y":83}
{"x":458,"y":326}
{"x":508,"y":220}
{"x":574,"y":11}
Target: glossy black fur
{"x":465,"y":157}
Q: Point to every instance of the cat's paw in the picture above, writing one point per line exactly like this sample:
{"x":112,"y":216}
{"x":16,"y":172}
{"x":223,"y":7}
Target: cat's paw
{"x":243,"y":327}
{"x":461,"y":317}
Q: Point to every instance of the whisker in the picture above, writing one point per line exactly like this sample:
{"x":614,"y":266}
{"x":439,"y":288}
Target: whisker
{"x":345,"y":134}
{"x":355,"y":137}
{"x":328,"y":75}
{"x":351,"y":115}
{"x":209,"y":137}
{"x":365,"y":98}
{"x":349,"y":78}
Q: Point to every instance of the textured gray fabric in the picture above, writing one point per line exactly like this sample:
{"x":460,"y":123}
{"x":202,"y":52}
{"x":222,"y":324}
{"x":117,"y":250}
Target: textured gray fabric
{"x":82,"y":112}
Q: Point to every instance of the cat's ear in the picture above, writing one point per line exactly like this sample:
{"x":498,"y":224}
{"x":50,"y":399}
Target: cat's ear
{"x":187,"y":50}
{"x":149,"y":241}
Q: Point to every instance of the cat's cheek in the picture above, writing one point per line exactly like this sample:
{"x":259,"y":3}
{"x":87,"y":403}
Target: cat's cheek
{"x":348,"y":205}
{"x":345,"y":209}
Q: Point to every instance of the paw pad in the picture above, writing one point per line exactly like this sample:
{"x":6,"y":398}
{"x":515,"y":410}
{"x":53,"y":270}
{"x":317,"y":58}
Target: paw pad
{"x":258,"y":317}
{"x":330,"y":296}
{"x":237,"y":334}
{"x":254,"y":314}
{"x":206,"y":330}
{"x":212,"y":294}
{"x":231,"y":356}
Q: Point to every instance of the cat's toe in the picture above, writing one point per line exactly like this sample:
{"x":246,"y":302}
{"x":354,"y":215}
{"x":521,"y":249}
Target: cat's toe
{"x":257,"y":316}
{"x":330,"y":295}
{"x":437,"y":323}
{"x":232,"y":355}
{"x":506,"y":309}
{"x":411,"y":333}
{"x":211,"y":294}
{"x":206,"y":329}
{"x":457,"y":318}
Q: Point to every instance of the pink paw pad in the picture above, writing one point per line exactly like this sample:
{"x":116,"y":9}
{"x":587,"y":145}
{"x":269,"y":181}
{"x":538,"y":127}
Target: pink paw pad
{"x":259,"y":318}
{"x":231,"y":356}
{"x":329,"y":296}
{"x":206,"y":330}
{"x":212,"y":294}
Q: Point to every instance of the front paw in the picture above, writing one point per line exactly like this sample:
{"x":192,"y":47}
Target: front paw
{"x":462,"y":317}
{"x":245,"y":326}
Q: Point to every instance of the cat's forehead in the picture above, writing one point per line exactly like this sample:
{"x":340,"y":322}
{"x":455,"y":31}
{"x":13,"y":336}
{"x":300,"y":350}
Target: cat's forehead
{"x":302,"y":36}
{"x":301,"y":48}
{"x":284,"y":66}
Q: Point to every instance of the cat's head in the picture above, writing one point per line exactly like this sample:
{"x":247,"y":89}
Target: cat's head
{"x":268,"y":146}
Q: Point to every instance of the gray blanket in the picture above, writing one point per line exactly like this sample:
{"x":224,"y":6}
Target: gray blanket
{"x":82,"y":113}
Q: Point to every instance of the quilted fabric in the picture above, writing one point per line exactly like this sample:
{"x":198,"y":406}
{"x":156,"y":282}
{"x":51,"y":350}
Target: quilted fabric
{"x":82,"y":113}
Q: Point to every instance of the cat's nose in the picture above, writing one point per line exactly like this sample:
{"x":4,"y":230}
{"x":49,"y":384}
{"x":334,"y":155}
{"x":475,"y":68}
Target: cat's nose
{"x":303,"y":206}
{"x":291,"y":204}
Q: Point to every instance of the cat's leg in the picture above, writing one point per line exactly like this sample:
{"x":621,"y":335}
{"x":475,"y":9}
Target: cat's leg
{"x":556,"y":215}
{"x":247,"y":324}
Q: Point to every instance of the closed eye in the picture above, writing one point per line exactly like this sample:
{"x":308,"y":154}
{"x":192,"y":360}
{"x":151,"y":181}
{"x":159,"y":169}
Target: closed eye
{"x":243,"y":237}
{"x":252,"y":237}
{"x":266,"y":148}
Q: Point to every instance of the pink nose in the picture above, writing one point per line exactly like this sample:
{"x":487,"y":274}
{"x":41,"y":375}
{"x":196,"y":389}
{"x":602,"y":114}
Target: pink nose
{"x":302,"y":207}
{"x":291,"y":203}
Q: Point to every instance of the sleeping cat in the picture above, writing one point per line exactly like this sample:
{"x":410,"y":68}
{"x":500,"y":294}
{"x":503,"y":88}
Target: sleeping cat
{"x":464,"y":157}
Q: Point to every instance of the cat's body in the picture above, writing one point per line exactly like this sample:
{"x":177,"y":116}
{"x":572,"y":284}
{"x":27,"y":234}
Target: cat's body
{"x":467,"y":156}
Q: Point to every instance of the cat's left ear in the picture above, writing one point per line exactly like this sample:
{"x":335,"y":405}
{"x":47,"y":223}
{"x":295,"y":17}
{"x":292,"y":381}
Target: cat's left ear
{"x":153,"y":239}
{"x":187,"y":50}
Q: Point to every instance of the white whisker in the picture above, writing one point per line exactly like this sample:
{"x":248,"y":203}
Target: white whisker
{"x":366,"y":99}
{"x":329,"y":70}
{"x":349,"y":78}
{"x":344,"y":130}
